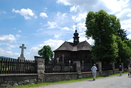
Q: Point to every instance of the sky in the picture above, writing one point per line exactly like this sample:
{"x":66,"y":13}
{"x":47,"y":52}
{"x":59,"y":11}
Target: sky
{"x":36,"y":23}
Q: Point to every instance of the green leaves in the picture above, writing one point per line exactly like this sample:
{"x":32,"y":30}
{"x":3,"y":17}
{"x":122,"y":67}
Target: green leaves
{"x":46,"y":52}
{"x":103,"y":27}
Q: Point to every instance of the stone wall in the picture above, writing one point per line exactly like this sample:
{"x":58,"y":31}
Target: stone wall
{"x":53,"y":77}
{"x":23,"y":79}
{"x":7,"y":80}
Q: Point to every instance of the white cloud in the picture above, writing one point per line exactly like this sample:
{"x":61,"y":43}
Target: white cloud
{"x":80,"y":17}
{"x":61,"y":16}
{"x":65,"y":28}
{"x":63,"y":2}
{"x":116,"y":5}
{"x":81,"y":27}
{"x":83,"y":5}
{"x":74,"y":8}
{"x":83,"y":38}
{"x":110,"y":6}
{"x":11,"y":46}
{"x":126,"y":24}
{"x":54,"y":44}
{"x":40,"y":29}
{"x":19,"y":31}
{"x":33,"y":52}
{"x":52,"y":25}
{"x":129,"y":15}
{"x":27,"y":13}
{"x":129,"y":36}
{"x":9,"y":53}
{"x":7,"y":38}
{"x":57,"y":35}
{"x":3,"y":12}
{"x":124,"y":14}
{"x":43,"y":15}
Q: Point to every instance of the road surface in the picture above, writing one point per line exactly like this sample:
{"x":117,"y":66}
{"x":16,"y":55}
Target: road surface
{"x":108,"y":82}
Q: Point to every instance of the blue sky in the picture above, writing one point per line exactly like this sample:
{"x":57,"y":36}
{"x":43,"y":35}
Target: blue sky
{"x":36,"y":23}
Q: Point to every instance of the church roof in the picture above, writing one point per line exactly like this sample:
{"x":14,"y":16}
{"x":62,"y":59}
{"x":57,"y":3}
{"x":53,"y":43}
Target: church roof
{"x":65,"y":46}
{"x":70,"y":47}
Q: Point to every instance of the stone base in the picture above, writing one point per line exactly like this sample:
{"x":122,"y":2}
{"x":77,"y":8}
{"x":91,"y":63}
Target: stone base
{"x":21,"y":58}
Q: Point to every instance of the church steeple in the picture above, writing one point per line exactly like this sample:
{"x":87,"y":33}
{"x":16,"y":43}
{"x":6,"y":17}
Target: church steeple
{"x":76,"y":38}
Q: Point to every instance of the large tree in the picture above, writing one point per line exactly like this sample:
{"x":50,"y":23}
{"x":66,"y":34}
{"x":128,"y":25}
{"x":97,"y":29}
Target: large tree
{"x":46,"y":52}
{"x":103,"y":27}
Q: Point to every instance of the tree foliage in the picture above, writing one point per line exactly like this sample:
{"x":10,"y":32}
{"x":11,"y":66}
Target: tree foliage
{"x":122,"y":34}
{"x":46,"y":52}
{"x":111,"y":43}
{"x":103,"y":27}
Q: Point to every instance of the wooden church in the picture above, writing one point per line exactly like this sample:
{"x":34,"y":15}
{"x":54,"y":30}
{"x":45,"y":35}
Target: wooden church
{"x":69,"y":52}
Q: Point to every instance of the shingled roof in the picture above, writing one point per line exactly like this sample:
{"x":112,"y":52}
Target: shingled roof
{"x":70,"y":47}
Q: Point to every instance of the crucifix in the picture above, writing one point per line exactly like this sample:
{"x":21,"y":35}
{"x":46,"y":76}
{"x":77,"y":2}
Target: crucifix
{"x":22,"y":50}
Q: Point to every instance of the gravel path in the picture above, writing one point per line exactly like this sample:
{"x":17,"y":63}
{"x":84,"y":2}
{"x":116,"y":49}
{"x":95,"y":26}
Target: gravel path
{"x":107,"y":82}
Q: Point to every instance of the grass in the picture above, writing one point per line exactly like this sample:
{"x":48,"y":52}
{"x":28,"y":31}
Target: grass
{"x":59,"y":82}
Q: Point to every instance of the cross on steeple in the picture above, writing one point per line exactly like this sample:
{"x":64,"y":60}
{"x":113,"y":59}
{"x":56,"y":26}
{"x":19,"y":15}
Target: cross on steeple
{"x":76,"y":37}
{"x":76,"y":26}
{"x":22,"y":50}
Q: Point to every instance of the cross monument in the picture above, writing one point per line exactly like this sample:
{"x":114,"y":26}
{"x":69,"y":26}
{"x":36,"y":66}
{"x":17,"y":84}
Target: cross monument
{"x":22,"y":53}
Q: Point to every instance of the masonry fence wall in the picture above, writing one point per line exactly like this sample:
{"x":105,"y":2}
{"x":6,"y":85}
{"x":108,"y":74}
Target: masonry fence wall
{"x":39,"y":76}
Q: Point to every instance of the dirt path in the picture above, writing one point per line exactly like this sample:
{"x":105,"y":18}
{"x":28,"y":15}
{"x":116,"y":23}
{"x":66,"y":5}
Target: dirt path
{"x":108,"y":82}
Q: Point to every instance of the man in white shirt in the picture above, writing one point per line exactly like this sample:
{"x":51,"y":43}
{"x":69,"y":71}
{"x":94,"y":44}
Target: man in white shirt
{"x":94,"y":69}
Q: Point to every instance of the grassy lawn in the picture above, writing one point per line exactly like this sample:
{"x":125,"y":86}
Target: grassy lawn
{"x":59,"y":82}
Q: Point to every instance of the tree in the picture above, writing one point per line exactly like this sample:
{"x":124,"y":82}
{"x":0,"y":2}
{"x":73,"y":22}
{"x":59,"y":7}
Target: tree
{"x":122,"y":34}
{"x":103,"y":28}
{"x":124,"y":51}
{"x":46,"y":52}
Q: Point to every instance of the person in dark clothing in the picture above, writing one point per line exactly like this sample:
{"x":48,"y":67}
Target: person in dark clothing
{"x":120,"y":70}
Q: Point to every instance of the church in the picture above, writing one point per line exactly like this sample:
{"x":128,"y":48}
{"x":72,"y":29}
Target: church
{"x":69,"y":52}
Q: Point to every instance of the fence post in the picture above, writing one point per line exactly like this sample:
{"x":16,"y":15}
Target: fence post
{"x":40,"y":68}
{"x":78,"y":68}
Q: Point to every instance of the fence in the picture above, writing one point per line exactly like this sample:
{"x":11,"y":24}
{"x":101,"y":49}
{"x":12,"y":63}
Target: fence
{"x":11,"y":66}
{"x":50,"y":68}
{"x":8,"y":66}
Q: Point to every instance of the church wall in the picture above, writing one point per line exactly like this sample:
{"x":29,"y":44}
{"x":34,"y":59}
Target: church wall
{"x":81,"y":56}
{"x":62,"y":54}
{"x":73,"y":56}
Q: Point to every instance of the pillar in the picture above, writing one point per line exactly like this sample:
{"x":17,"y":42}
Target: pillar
{"x":40,"y":68}
{"x":78,"y":68}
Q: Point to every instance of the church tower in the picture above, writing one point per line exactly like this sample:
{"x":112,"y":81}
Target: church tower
{"x":76,"y":38}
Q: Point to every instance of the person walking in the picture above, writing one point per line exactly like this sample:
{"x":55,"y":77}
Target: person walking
{"x":129,"y":69}
{"x":120,"y":70}
{"x":94,"y":70}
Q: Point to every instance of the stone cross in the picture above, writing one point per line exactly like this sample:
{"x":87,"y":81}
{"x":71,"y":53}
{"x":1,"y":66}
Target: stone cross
{"x":22,"y":50}
{"x":22,"y":53}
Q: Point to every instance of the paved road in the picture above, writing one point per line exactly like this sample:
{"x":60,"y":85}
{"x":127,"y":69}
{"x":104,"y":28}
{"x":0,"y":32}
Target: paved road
{"x":108,"y":82}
